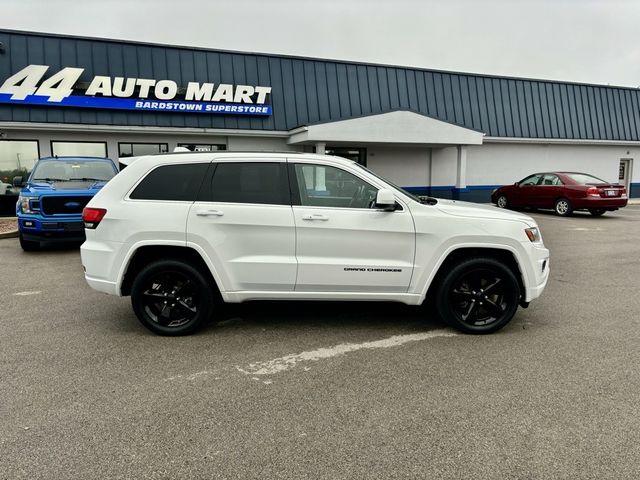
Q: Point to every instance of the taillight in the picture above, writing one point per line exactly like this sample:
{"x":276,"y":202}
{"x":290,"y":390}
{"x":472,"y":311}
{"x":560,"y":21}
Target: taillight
{"x":93,"y":216}
{"x":593,"y":192}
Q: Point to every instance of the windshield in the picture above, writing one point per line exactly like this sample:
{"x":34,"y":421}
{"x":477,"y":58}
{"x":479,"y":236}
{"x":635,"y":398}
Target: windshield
{"x":408,"y":194}
{"x":584,"y":179}
{"x":73,"y":170}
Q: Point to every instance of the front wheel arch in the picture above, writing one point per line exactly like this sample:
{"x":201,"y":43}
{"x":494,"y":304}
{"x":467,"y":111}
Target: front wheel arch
{"x":459,"y":254}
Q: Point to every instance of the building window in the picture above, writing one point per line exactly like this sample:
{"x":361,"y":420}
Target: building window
{"x":356,"y":154}
{"x":126,"y":150}
{"x":79,"y":149}
{"x":17,"y":158}
{"x":203,"y":147}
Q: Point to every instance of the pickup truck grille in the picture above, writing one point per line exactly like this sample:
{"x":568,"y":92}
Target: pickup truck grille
{"x":63,"y":205}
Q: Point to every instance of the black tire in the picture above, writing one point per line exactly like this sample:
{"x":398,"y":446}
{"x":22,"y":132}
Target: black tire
{"x":158,"y":304}
{"x":29,"y":245}
{"x":597,"y":212}
{"x":478,"y":296}
{"x":502,"y":202}
{"x":563,"y":207}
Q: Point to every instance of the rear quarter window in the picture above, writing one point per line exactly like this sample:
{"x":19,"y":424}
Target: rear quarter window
{"x":171,"y":182}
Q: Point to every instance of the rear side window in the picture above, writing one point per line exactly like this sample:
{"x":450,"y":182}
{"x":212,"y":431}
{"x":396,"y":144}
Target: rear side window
{"x":259,"y":182}
{"x":172,"y":182}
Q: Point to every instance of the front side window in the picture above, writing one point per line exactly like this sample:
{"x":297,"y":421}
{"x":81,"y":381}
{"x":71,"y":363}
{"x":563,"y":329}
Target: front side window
{"x":325,"y":186}
{"x":172,"y":182}
{"x":79,"y":149}
{"x":258,"y":182}
{"x":126,"y":150}
{"x":532,"y":180}
{"x":73,"y":170}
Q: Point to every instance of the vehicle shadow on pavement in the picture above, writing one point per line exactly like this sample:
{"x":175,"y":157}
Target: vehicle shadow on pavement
{"x":331,"y":315}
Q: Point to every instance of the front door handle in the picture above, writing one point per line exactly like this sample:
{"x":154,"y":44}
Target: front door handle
{"x":209,"y":213}
{"x":316,"y":216}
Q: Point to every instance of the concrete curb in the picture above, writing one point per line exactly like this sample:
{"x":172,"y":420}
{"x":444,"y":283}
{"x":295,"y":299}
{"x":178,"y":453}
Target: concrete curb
{"x":12,"y":234}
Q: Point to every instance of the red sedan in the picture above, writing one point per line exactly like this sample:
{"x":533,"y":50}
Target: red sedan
{"x":564,"y":192}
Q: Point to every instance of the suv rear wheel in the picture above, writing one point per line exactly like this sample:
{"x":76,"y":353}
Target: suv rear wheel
{"x":478,"y":295}
{"x":171,"y":297}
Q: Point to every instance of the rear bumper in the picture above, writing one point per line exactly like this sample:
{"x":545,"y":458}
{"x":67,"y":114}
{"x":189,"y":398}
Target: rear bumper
{"x":606,"y":203}
{"x":102,"y":285}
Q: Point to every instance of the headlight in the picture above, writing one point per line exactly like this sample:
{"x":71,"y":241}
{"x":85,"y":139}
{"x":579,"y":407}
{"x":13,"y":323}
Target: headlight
{"x":494,"y":191}
{"x":24,"y":204}
{"x":533,"y":234}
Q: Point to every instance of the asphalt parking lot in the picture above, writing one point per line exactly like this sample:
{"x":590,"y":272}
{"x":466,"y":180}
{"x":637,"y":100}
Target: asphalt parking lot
{"x":328,"y":390}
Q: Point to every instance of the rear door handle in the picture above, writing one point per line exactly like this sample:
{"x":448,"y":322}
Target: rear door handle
{"x":321,"y":218}
{"x":209,"y":213}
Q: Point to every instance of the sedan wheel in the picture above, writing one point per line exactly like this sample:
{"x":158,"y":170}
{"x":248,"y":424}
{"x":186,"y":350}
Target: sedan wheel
{"x":478,"y":295}
{"x":502,"y":201}
{"x":563,"y":207}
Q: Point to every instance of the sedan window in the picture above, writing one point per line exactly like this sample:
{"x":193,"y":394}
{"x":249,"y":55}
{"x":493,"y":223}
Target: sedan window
{"x":551,"y":179}
{"x":584,"y":179}
{"x":531,"y":180}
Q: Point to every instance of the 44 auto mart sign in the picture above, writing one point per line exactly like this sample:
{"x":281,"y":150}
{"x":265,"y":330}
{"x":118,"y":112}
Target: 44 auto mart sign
{"x":27,"y":87}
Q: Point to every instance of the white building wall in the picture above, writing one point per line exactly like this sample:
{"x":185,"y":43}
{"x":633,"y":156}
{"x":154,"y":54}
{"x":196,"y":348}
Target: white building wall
{"x":499,"y":163}
{"x":444,"y":166}
{"x":260,"y":144}
{"x":404,"y":166}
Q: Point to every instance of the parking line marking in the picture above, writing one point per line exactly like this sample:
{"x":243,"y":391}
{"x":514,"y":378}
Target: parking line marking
{"x":24,"y":294}
{"x":281,"y":364}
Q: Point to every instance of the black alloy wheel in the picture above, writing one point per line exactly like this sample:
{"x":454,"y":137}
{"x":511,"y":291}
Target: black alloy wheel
{"x":597,"y":212}
{"x":170,"y":297}
{"x":479,"y":295}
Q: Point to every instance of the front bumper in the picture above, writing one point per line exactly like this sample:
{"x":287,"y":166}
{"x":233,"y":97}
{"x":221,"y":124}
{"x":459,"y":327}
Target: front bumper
{"x":538,"y":274}
{"x":68,"y":228}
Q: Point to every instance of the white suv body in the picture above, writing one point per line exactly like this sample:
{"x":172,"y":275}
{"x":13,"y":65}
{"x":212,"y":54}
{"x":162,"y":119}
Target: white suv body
{"x":303,"y":227}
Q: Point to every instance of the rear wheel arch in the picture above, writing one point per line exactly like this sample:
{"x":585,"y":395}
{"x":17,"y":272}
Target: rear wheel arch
{"x":146,"y":254}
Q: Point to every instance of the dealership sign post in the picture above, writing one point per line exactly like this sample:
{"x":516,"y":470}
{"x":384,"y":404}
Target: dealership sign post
{"x":27,"y":88}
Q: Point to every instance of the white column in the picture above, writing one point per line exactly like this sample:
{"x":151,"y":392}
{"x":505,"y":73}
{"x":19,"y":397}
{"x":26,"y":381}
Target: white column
{"x":321,"y":148}
{"x":461,"y":169}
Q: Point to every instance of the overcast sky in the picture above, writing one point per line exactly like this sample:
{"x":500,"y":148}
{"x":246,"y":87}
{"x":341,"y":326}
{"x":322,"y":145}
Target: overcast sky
{"x":577,"y":40}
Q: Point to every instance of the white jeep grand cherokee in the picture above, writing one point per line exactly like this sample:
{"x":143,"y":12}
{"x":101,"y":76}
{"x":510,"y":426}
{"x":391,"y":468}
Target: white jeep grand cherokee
{"x":183,"y":232}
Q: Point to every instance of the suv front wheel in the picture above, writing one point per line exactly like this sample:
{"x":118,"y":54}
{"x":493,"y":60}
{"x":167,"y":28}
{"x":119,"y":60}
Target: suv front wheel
{"x":478,"y":295}
{"x":171,"y":297}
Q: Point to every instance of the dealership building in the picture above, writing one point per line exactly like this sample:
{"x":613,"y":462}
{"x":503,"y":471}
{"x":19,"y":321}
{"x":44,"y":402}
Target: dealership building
{"x":446,"y":134}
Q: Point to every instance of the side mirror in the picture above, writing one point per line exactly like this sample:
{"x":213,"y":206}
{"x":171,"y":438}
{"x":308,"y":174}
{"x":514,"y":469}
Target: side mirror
{"x":385,"y":200}
{"x":517,"y":184}
{"x":17,"y":181}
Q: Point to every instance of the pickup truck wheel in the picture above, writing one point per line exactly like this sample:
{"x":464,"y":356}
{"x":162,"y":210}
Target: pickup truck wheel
{"x":171,"y":297}
{"x":478,"y":295}
{"x":29,"y":245}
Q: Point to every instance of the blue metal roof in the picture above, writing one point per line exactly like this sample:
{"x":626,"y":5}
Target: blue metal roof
{"x":306,"y":91}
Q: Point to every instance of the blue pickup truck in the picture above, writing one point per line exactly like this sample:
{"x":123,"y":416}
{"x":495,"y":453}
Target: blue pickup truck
{"x":50,"y":204}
